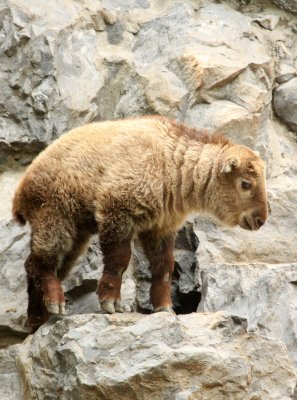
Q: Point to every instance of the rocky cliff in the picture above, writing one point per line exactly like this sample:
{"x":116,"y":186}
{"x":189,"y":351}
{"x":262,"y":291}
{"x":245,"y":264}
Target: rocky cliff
{"x":228,"y":66}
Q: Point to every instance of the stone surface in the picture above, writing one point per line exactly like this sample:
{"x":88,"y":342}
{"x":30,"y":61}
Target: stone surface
{"x":40,"y":100}
{"x":13,"y":244}
{"x":11,"y":386}
{"x":288,"y":5}
{"x":285,"y":103}
{"x":198,"y":356}
{"x":268,"y":21}
{"x":265,"y":294}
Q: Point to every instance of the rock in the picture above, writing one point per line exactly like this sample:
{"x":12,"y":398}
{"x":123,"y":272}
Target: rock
{"x":284,"y":101}
{"x":288,"y":5}
{"x":109,"y":17}
{"x":285,"y":65}
{"x":285,"y":73}
{"x":165,"y":91}
{"x":13,"y":244}
{"x":98,"y":22}
{"x":268,"y":21}
{"x":185,"y":286}
{"x":195,"y":356}
{"x":11,"y":386}
{"x":265,"y":294}
{"x":106,"y":84}
{"x":227,"y":118}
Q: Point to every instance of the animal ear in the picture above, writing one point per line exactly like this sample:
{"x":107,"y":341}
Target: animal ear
{"x":230,"y":163}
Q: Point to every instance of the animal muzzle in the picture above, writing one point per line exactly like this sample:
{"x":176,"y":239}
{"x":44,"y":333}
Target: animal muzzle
{"x":254,"y":219}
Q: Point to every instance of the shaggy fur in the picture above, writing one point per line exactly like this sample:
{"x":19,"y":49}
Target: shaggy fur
{"x":124,"y":178}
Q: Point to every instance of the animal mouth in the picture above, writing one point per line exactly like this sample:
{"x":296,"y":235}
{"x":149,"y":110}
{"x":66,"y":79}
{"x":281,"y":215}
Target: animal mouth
{"x":245,"y":224}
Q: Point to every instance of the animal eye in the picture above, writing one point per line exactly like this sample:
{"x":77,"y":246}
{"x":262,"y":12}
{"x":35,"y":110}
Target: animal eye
{"x":246,"y":185}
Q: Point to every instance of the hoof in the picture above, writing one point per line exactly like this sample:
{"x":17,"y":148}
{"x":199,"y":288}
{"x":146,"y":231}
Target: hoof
{"x":56,"y":308}
{"x":119,"y":306}
{"x":165,"y":309}
{"x":108,"y":306}
{"x":111,"y":306}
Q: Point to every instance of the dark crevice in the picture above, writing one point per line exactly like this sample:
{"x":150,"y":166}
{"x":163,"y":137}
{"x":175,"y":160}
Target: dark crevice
{"x":186,"y":303}
{"x":185,"y":290}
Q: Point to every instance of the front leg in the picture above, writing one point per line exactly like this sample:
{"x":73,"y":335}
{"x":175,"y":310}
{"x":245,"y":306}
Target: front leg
{"x":159,"y":251}
{"x":115,"y":236}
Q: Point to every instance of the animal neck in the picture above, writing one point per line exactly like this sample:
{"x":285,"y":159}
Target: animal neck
{"x":195,"y":165}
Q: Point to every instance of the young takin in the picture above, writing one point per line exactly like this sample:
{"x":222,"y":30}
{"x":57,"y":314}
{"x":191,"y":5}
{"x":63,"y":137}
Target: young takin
{"x":121,"y":179}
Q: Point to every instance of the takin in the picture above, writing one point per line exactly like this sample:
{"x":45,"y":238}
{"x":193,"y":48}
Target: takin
{"x":121,"y":179}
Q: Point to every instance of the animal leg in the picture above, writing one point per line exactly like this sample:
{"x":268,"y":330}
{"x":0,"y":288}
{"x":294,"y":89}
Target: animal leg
{"x":37,"y":312}
{"x":159,"y":251}
{"x":51,"y":240}
{"x":45,"y":292}
{"x":115,"y":237}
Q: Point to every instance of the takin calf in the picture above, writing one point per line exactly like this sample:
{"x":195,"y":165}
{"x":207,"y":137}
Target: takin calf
{"x":135,"y":177}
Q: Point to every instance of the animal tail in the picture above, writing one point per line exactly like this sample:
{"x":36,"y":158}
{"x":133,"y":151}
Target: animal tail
{"x":17,"y":213}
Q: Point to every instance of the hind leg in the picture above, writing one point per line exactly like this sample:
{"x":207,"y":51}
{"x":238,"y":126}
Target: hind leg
{"x":115,"y":237}
{"x":51,"y":239}
{"x":37,"y":312}
{"x":45,"y":292}
{"x":159,"y":251}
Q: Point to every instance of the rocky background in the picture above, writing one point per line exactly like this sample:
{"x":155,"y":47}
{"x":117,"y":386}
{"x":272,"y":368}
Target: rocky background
{"x":228,"y":66}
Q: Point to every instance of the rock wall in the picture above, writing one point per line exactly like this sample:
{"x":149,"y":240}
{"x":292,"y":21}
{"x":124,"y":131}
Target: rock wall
{"x":131,"y":356}
{"x":228,"y":66}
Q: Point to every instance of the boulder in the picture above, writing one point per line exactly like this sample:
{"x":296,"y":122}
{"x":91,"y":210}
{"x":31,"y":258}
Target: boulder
{"x":285,"y":103}
{"x":130,"y":356}
{"x":288,"y":5}
{"x":265,"y":294}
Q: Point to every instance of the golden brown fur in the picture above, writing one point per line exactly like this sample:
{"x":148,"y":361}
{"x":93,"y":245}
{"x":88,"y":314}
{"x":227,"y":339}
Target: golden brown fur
{"x":140,"y":176}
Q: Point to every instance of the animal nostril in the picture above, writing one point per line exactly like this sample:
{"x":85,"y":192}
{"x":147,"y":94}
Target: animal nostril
{"x":260,"y":221}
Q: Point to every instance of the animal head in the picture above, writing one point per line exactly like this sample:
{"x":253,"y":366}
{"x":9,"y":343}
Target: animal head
{"x":238,"y":196}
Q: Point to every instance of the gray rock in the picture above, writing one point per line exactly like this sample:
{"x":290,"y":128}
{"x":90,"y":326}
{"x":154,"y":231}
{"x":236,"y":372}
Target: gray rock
{"x":288,"y":5}
{"x":265,"y":294}
{"x":268,"y":21}
{"x":13,"y":245}
{"x":285,"y":65}
{"x":98,"y":21}
{"x":285,"y":103}
{"x":158,"y":356}
{"x":11,"y":385}
{"x":41,"y":101}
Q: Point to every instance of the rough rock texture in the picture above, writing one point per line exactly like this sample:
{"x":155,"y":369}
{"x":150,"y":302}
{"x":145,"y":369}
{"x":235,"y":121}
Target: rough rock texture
{"x":265,"y":294}
{"x":198,"y":356}
{"x":285,"y":102}
{"x":289,"y":5}
{"x":223,"y":65}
